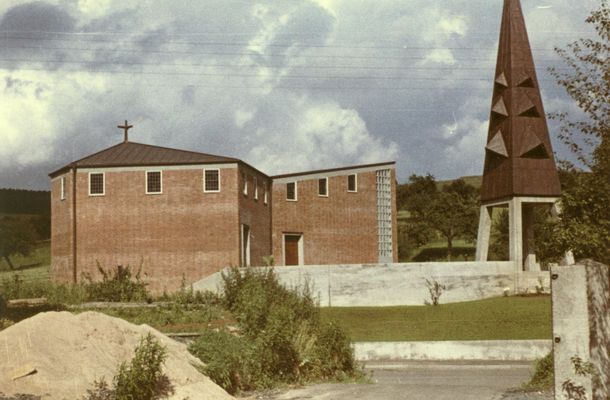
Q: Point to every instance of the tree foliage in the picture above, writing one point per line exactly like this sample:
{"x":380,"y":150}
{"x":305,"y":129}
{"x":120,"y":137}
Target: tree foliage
{"x":584,"y":227}
{"x":17,"y":236}
{"x":450,"y":212}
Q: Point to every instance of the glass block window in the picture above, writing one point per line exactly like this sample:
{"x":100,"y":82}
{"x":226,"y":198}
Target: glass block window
{"x":323,"y":187}
{"x":352,"y":183}
{"x":291,"y":191}
{"x":153,"y":182}
{"x":384,"y":216}
{"x":62,"y":189}
{"x":211,"y":182}
{"x":96,"y":183}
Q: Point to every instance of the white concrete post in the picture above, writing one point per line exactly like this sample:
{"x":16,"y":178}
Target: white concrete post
{"x":515,"y":229}
{"x":529,"y":243}
{"x":484,"y":233}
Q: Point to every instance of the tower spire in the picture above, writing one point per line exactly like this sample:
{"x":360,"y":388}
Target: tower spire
{"x":518,"y":155}
{"x":519,"y":170}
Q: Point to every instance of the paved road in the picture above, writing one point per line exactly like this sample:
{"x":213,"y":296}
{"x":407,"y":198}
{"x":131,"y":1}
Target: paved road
{"x":423,"y":380}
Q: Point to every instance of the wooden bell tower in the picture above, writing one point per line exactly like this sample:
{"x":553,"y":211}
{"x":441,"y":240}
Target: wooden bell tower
{"x":520,"y":171}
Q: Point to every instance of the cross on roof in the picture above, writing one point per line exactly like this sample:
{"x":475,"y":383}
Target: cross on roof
{"x":125,"y":128}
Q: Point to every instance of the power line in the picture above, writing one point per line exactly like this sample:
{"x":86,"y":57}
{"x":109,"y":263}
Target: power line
{"x":207,"y":53}
{"x":194,"y":64}
{"x":245,"y":44}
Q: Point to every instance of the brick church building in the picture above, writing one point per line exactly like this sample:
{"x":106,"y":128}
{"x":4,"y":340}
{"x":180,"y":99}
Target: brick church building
{"x":185,"y":215}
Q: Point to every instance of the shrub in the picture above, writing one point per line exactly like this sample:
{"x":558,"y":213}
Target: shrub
{"x":543,"y":377}
{"x":116,"y":285}
{"x":281,"y":337}
{"x":141,"y":379}
{"x":228,"y":360}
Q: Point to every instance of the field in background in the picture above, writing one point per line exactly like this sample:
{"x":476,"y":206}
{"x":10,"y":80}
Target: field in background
{"x":34,"y":267}
{"x":502,"y":318}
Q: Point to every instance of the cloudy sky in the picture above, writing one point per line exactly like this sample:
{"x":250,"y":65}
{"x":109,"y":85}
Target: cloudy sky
{"x":286,"y":86}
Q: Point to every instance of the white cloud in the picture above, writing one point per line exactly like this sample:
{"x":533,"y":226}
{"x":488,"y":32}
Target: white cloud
{"x":320,"y":136}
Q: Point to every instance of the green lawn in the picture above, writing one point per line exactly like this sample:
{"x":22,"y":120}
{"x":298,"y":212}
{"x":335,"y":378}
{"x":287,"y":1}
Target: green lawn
{"x":491,"y":319}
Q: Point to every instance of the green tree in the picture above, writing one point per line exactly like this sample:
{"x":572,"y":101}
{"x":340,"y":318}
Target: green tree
{"x":17,"y":236}
{"x":450,"y":212}
{"x":453,"y":213}
{"x":414,"y":197}
{"x":584,"y":227}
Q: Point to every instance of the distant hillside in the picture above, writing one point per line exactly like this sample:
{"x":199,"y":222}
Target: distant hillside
{"x":471,"y":180}
{"x":19,"y":201}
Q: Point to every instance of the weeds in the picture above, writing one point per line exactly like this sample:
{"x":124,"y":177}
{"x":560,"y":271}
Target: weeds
{"x":281,"y":337}
{"x":141,"y":379}
{"x":116,"y":285}
{"x":543,"y":377}
{"x":435,"y":289}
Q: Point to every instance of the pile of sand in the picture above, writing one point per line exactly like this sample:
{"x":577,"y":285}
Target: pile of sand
{"x":58,"y":355}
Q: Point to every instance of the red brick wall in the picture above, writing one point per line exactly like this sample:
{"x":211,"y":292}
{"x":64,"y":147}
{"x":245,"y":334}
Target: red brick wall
{"x":338,"y":229}
{"x":256,"y":214}
{"x":182,"y":231}
{"x":61,"y":230}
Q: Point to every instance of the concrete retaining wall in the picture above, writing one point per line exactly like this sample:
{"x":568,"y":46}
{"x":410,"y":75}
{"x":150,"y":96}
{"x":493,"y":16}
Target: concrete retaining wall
{"x":400,"y":283}
{"x":492,"y":350}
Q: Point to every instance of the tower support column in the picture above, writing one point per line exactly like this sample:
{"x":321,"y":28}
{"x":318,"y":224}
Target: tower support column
{"x":484,"y":233}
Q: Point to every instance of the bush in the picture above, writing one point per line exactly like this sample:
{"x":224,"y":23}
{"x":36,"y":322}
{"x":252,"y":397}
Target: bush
{"x":116,"y":285}
{"x":543,"y":377}
{"x":228,"y":360}
{"x":141,"y":379}
{"x":282,"y":339}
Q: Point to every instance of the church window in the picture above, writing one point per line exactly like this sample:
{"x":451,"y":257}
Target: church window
{"x":96,"y":184}
{"x":323,"y":187}
{"x":291,"y":191}
{"x":352,"y":183}
{"x":153,"y":182}
{"x":265,"y":194}
{"x":211,"y":182}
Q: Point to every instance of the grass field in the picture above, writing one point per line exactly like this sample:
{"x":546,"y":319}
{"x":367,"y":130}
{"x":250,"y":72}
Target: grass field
{"x":34,"y":267}
{"x":490,"y":319}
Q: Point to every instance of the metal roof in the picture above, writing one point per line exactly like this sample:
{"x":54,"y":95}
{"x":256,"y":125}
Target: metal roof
{"x":138,"y":154}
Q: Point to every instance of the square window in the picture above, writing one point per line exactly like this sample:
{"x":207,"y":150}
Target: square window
{"x":62,"y":190}
{"x":153,"y":182}
{"x":291,"y":191}
{"x":96,"y":183}
{"x":323,"y":187}
{"x":352,"y":183}
{"x":211,"y":182}
{"x":255,"y":189}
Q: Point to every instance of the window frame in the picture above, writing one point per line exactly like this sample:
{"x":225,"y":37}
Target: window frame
{"x":205,"y":189}
{"x":160,"y":181}
{"x":296,"y":191}
{"x":355,"y":183}
{"x":62,"y":188}
{"x":326,"y":187}
{"x":103,"y":174}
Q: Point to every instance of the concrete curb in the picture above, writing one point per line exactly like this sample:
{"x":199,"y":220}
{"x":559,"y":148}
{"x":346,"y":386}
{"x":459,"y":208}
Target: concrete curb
{"x":491,"y":350}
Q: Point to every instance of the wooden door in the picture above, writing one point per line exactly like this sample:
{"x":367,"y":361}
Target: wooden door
{"x":291,"y":249}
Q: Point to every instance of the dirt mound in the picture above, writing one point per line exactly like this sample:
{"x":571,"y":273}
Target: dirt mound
{"x":58,"y":355}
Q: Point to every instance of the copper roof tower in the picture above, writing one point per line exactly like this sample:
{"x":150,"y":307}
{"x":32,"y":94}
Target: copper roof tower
{"x":518,"y":157}
{"x":519,"y":170}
